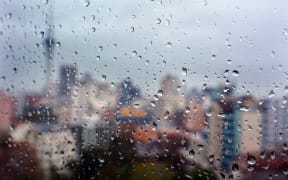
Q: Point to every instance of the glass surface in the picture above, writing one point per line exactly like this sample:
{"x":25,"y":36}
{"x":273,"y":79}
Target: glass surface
{"x":150,"y":89}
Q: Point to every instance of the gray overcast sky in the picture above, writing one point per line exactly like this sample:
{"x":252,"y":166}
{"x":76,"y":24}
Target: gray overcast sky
{"x":183,"y":33}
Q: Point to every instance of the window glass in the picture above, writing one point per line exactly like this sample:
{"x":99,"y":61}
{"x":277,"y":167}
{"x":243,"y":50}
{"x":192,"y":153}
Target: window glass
{"x":151,"y":89}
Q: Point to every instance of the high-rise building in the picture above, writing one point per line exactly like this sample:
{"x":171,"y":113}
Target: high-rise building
{"x":223,"y":114}
{"x":274,"y":122}
{"x":67,"y":79}
{"x":7,"y":111}
{"x":168,"y":100}
{"x":250,"y":126}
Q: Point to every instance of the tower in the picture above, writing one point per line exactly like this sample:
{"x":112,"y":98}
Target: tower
{"x":67,"y":79}
{"x":49,"y":44}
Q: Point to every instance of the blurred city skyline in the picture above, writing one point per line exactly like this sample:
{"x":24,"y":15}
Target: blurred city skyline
{"x":147,"y":40}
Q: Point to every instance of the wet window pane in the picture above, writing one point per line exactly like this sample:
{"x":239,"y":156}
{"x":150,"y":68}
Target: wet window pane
{"x":151,"y":89}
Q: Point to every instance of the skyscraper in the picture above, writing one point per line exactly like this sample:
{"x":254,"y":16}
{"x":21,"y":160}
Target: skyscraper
{"x":274,"y":122}
{"x":67,"y":79}
{"x":223,"y":115}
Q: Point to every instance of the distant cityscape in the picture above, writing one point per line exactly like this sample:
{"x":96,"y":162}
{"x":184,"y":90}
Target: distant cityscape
{"x":82,"y":128}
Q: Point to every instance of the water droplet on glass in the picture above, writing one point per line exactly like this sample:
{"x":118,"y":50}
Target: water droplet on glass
{"x":166,"y":115}
{"x":104,"y":77}
{"x":184,"y":71}
{"x":226,"y":72}
{"x":187,"y":109}
{"x":153,"y":103}
{"x":132,"y":29}
{"x":273,"y":155}
{"x":235,"y":167}
{"x":200,"y":147}
{"x":134,"y":53}
{"x":101,"y":160}
{"x":285,"y":171}
{"x":285,"y":32}
{"x":271,"y":94}
{"x":100,"y":48}
{"x":42,"y":34}
{"x":169,"y":44}
{"x":58,"y":44}
{"x":98,"y":58}
{"x":191,"y":153}
{"x":273,"y":53}
{"x":235,"y":73}
{"x":9,"y":15}
{"x":251,"y":160}
{"x":86,"y":3}
{"x":262,"y":154}
{"x":160,"y":93}
{"x":158,"y":21}
{"x":211,"y":158}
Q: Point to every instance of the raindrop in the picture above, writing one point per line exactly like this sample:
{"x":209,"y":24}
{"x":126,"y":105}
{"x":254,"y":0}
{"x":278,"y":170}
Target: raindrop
{"x":153,"y":103}
{"x":285,"y":32}
{"x":158,"y":21}
{"x":226,"y":72}
{"x":187,"y":109}
{"x":29,"y":114}
{"x":136,"y":105}
{"x":42,"y":34}
{"x":235,"y":73}
{"x":104,"y":77}
{"x":250,"y":168}
{"x":235,"y":167}
{"x":286,"y":89}
{"x":285,"y":171}
{"x":169,"y":44}
{"x":86,"y":3}
{"x":271,"y":94}
{"x":160,"y":93}
{"x":205,"y":3}
{"x":213,"y":57}
{"x":200,"y":147}
{"x":132,"y":29}
{"x":98,"y":58}
{"x":211,"y":158}
{"x":9,"y":15}
{"x":191,"y":153}
{"x":273,"y":53}
{"x":101,"y":160}
{"x":92,"y":17}
{"x":114,"y":58}
{"x":251,"y":160}
{"x":58,"y":44}
{"x":134,"y":53}
{"x":166,"y":114}
{"x":100,"y":48}
{"x":184,"y":71}
{"x":273,"y":155}
{"x":154,"y":126}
